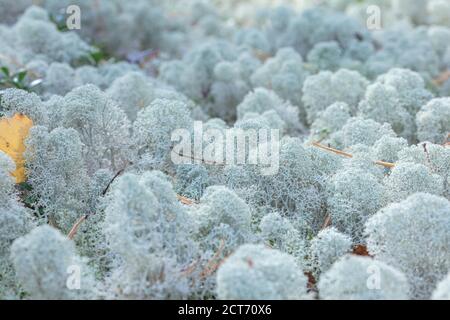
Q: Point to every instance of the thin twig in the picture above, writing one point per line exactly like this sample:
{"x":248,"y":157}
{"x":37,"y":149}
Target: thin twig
{"x":327,"y":222}
{"x":447,"y":141}
{"x":348,"y":155}
{"x":76,"y":226}
{"x":212,"y":266}
{"x":185,"y":200}
{"x":442,"y":78}
{"x":112,"y":180}
{"x":261,"y":55}
{"x":339,"y":152}
{"x":385,"y":164}
{"x":196,"y":159}
{"x":190,"y":269}
{"x":425,"y":149}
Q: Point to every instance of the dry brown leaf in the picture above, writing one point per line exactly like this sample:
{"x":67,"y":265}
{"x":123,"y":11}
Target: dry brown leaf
{"x":361,"y":250}
{"x":311,"y":281}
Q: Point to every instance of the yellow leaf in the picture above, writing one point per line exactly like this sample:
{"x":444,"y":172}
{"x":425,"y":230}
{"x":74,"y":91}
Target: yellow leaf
{"x":13,"y":132}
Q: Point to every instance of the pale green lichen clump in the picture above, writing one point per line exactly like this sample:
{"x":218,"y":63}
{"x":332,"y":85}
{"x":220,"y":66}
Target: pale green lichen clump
{"x":255,"y":272}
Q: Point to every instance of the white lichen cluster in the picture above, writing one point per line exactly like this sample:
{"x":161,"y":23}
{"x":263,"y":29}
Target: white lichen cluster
{"x":44,"y":260}
{"x":15,"y":222}
{"x":255,"y":272}
{"x":361,"y":278}
{"x":396,"y":236}
{"x":148,"y":233}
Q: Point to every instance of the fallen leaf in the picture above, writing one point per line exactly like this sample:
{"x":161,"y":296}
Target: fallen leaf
{"x":13,"y":132}
{"x":361,"y":250}
{"x":311,"y":281}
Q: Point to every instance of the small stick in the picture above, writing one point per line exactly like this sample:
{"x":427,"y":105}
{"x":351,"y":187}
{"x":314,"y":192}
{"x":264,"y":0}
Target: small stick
{"x":185,"y":200}
{"x":348,"y":155}
{"x":77,"y":224}
{"x":442,"y":78}
{"x":75,"y":227}
{"x":425,"y":149}
{"x":385,"y":164}
{"x":196,"y":159}
{"x":211,"y":266}
{"x":190,"y":269}
{"x":327,"y":222}
{"x":339,"y":152}
{"x":262,"y":56}
{"x":112,"y":180}
{"x":447,"y":141}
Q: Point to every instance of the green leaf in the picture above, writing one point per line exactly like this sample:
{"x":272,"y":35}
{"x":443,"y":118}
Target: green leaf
{"x":97,"y":56}
{"x":25,"y":186}
{"x":19,"y":85}
{"x":5,"y":71}
{"x":59,"y":21}
{"x":21,"y":75}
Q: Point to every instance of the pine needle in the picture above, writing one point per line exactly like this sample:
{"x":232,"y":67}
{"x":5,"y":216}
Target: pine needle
{"x":76,"y":226}
{"x":185,"y":200}
{"x":194,"y":159}
{"x":442,"y":78}
{"x":348,"y":155}
{"x":212,"y":264}
{"x":327,"y":222}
